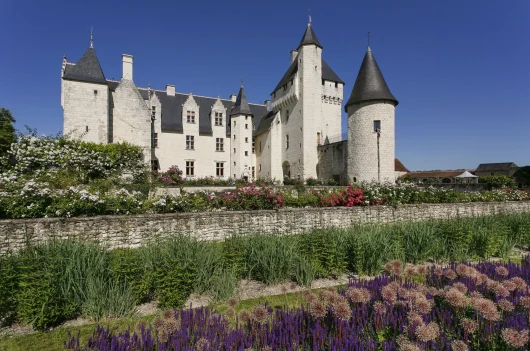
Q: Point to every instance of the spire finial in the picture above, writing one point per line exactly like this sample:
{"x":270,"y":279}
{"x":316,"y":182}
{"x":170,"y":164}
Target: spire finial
{"x":91,"y":37}
{"x":309,"y":14}
{"x":241,"y":82}
{"x":368,"y":39}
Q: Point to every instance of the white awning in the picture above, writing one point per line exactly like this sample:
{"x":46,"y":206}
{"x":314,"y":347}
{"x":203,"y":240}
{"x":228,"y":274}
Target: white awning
{"x":466,"y":174}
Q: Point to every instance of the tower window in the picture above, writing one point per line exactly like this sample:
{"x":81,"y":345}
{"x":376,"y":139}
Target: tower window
{"x":234,"y":137}
{"x":287,"y":115}
{"x":86,"y":129}
{"x":234,"y":123}
{"x":260,"y":147}
{"x":246,"y":125}
{"x":246,"y":140}
{"x":154,"y":165}
{"x":286,"y":141}
{"x":219,"y":144}
{"x":234,"y":150}
{"x":190,"y":168}
{"x":190,"y":142}
{"x":253,"y":147}
{"x":336,"y":84}
{"x":190,"y":116}
{"x":153,"y":113}
{"x":246,"y":153}
{"x":95,"y":92}
{"x":154,"y":140}
{"x":377,"y":126}
{"x":219,"y":169}
{"x":218,"y":119}
{"x":246,"y":117}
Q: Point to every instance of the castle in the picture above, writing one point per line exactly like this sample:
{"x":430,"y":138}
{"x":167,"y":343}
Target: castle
{"x":296,"y":134}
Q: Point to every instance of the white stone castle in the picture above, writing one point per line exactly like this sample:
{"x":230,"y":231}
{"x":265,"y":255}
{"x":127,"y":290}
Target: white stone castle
{"x":296,"y":134}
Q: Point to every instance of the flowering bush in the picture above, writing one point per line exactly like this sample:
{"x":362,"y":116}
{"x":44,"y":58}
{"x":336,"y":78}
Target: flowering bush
{"x":173,"y":176}
{"x":250,"y":198}
{"x":348,"y":197}
{"x":461,"y":307}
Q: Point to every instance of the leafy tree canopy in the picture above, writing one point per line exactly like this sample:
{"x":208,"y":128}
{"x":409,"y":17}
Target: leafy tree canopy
{"x":7,"y":131}
{"x":523,"y":175}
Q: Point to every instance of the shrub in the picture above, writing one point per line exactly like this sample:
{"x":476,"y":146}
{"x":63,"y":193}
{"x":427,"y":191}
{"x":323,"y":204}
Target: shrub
{"x":497,"y":181}
{"x":173,"y":176}
{"x":347,"y":197}
{"x":9,"y":286}
{"x":313,"y":182}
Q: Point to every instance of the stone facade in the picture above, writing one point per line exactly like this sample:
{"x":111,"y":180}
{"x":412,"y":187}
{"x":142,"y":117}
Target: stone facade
{"x":332,"y":160}
{"x":134,"y":231}
{"x":371,"y":155}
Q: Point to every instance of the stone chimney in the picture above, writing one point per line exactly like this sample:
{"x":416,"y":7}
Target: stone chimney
{"x":233,"y":97}
{"x":268,"y":104}
{"x":170,"y":90}
{"x":293,"y":55}
{"x":127,"y":61}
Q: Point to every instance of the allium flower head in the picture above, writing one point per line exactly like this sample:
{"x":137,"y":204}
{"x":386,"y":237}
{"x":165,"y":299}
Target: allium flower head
{"x":358,"y":295}
{"x":232,"y":302}
{"x":260,"y":314}
{"x":459,"y":345}
{"x":525,"y":302}
{"x":318,"y":309}
{"x":460,"y":287}
{"x":326,"y":297}
{"x":520,"y":284}
{"x":428,"y":332}
{"x":438,"y":271}
{"x":421,"y":269}
{"x":202,"y":344}
{"x":379,"y":308}
{"x":487,"y":308}
{"x":410,"y":270}
{"x":456,"y":298}
{"x":450,"y":274}
{"x":514,"y":338}
{"x":462,"y":270}
{"x":502,"y":271}
{"x":506,"y":305}
{"x":342,"y":311}
{"x":469,"y":325}
{"x":244,"y":316}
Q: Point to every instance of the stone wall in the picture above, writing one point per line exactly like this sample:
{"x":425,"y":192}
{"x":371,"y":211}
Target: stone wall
{"x":133,"y":231}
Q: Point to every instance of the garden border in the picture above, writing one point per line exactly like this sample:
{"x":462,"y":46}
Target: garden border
{"x":135,"y":230}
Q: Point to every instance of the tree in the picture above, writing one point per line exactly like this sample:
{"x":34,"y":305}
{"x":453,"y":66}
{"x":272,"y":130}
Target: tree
{"x":523,"y":175}
{"x":7,"y":131}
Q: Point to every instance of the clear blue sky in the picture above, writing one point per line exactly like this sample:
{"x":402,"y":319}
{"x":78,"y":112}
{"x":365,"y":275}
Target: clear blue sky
{"x":460,"y":69}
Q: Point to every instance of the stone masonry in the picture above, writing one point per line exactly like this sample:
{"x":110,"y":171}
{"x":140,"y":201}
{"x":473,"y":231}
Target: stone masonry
{"x":134,"y":231}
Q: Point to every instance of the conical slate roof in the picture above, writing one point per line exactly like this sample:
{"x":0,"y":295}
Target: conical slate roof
{"x":87,"y":69}
{"x":309,"y":37}
{"x":241,"y":106}
{"x":370,"y":84}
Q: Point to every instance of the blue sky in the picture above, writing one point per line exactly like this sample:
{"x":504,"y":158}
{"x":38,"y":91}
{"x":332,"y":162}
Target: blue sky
{"x":460,"y":69}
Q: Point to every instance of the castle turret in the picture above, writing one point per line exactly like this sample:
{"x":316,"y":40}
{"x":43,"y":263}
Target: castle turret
{"x":85,"y":97}
{"x":241,"y":134}
{"x":371,"y":128}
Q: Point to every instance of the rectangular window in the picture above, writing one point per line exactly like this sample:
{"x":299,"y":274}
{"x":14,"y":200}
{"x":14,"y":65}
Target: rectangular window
{"x":287,"y":115}
{"x":154,"y":140}
{"x":234,"y":150}
{"x":153,"y":113}
{"x":191,"y":116}
{"x":234,"y":137}
{"x":219,"y":144}
{"x":260,"y":146}
{"x":218,"y":119}
{"x":246,"y":117}
{"x":246,"y":140}
{"x":246,"y":153}
{"x":377,"y":126}
{"x":190,"y":168}
{"x":246,"y":125}
{"x":190,"y":142}
{"x":154,"y":165}
{"x":260,"y":167}
{"x":234,"y":123}
{"x":220,"y":169}
{"x":286,"y":141}
{"x":234,"y":163}
{"x":253,"y":147}
{"x":253,"y":172}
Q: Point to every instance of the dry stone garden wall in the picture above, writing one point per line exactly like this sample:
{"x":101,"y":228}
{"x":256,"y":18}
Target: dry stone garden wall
{"x":133,"y":231}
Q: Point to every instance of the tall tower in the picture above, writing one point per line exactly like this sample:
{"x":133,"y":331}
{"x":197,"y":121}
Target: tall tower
{"x":241,"y":134}
{"x":371,"y":127}
{"x":85,"y":98}
{"x":310,"y":72}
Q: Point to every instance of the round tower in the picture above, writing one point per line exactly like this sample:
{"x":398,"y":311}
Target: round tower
{"x":371,"y":128}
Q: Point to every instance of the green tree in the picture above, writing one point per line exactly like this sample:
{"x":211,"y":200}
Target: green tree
{"x":496,"y":181}
{"x":7,"y":131}
{"x":523,"y":175}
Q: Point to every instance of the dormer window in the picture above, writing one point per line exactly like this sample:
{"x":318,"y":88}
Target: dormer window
{"x":218,"y":118}
{"x":190,"y":116}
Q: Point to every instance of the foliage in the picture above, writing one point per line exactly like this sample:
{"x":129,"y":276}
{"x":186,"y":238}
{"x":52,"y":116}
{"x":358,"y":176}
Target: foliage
{"x":522,"y":175}
{"x":173,"y":176}
{"x":347,"y":197}
{"x":7,"y":132}
{"x":497,"y":181}
{"x":483,"y":306}
{"x":250,"y":198}
{"x":9,"y":278}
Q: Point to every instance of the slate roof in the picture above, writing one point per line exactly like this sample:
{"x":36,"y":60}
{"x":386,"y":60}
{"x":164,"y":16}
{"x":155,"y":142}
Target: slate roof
{"x":171,"y":113}
{"x":488,"y":167}
{"x":327,"y":74}
{"x":241,"y":106}
{"x":87,"y":69}
{"x":370,"y":83}
{"x":309,"y":37}
{"x":265,"y":123}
